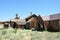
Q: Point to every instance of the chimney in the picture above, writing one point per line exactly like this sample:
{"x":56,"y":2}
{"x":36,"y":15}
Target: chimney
{"x":31,"y":13}
{"x":17,"y":17}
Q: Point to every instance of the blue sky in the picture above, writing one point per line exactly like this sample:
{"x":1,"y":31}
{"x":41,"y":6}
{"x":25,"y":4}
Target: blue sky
{"x":8,"y":8}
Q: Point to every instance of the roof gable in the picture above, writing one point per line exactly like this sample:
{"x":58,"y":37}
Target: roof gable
{"x":33,"y":15}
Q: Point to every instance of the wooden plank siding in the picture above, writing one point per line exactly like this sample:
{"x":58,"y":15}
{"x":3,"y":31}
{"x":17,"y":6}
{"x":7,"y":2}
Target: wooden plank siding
{"x":52,"y":25}
{"x":35,"y":22}
{"x":46,"y":25}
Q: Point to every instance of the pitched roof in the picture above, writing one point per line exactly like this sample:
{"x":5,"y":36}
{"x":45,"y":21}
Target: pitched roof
{"x":51,"y":17}
{"x":45,"y":18}
{"x":19,"y":21}
{"x":33,"y":15}
{"x":30,"y":20}
{"x":55,"y":16}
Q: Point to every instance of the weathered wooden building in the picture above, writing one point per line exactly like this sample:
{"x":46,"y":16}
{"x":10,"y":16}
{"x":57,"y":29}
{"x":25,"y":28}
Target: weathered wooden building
{"x":17,"y":22}
{"x":53,"y":24}
{"x":50,"y":23}
{"x":34,"y":21}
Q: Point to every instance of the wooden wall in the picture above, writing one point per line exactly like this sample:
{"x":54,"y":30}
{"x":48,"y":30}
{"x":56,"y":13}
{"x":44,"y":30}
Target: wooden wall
{"x":46,"y":25}
{"x":53,"y":25}
{"x":33,"y":23}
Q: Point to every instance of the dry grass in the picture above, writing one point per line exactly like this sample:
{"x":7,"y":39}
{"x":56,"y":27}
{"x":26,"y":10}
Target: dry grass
{"x":9,"y":34}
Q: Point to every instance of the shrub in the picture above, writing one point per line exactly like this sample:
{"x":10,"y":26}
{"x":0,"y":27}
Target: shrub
{"x":33,"y":29}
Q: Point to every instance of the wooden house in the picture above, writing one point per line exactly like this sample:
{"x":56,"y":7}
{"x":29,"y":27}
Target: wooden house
{"x":17,"y":22}
{"x":53,"y":24}
{"x":34,"y":21}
